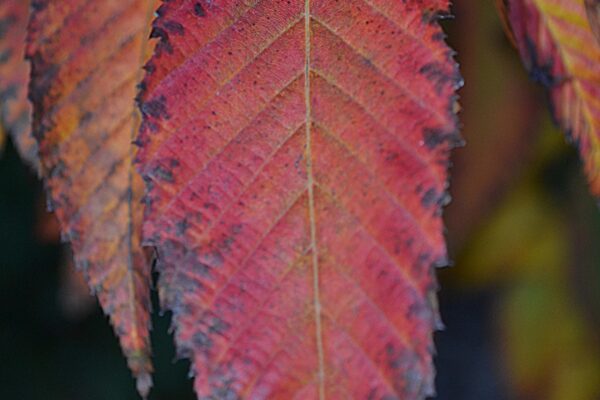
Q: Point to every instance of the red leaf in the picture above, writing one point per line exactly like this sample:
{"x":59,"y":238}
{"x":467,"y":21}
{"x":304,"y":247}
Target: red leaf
{"x":295,"y":180}
{"x":15,"y":110}
{"x":86,"y":61}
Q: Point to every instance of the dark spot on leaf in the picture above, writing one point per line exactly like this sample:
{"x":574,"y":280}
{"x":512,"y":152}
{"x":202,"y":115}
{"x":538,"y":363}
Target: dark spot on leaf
{"x":215,"y":258}
{"x":432,"y":138}
{"x":236,"y":229}
{"x":149,"y":67}
{"x":6,"y":23}
{"x":185,"y":284}
{"x":160,"y":33}
{"x":541,"y":71}
{"x":58,"y":170}
{"x":202,"y":340}
{"x":438,"y":36}
{"x":138,"y":142}
{"x":181,"y":227}
{"x":435,"y":73}
{"x":5,"y":56}
{"x":200,"y":268}
{"x":443,"y":200}
{"x":162,"y":173}
{"x":222,"y":388}
{"x":217,"y":325}
{"x":163,"y":35}
{"x":199,"y":10}
{"x":9,"y":93}
{"x":85,"y":118}
{"x":210,"y":206}
{"x":43,"y":75}
{"x":174,"y":27}
{"x":429,"y":198}
{"x":156,"y":108}
{"x":38,"y":5}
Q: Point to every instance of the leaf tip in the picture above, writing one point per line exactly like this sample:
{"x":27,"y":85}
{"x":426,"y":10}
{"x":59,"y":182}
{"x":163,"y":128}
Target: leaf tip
{"x":143,"y":384}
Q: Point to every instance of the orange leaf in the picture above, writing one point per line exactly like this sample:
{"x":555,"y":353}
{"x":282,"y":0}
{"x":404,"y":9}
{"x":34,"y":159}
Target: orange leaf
{"x":15,"y":110}
{"x":559,"y":50}
{"x":296,"y":155}
{"x":86,"y":59}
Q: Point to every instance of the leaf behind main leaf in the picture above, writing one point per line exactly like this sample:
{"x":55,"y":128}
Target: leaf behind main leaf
{"x":15,"y":110}
{"x":296,"y":156}
{"x":86,"y":59}
{"x":558,"y":48}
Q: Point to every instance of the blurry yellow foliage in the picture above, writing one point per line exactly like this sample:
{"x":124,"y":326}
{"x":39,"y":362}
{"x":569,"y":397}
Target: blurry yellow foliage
{"x":524,"y":251}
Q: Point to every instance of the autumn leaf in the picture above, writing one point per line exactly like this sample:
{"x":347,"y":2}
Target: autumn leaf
{"x":86,"y":61}
{"x":295,"y":155}
{"x":592,"y":7}
{"x":15,"y":110}
{"x":558,"y":48}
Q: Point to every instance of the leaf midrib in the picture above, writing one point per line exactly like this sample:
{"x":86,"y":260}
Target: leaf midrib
{"x":311,"y":202}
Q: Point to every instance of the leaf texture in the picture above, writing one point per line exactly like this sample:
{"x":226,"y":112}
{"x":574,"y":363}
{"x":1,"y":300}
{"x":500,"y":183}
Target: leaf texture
{"x":15,"y":109}
{"x":295,"y":154}
{"x":86,"y":59}
{"x":592,"y":7}
{"x":558,"y":48}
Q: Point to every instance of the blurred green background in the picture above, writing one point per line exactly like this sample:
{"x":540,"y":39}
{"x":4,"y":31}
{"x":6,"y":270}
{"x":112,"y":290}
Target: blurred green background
{"x":521,"y":303}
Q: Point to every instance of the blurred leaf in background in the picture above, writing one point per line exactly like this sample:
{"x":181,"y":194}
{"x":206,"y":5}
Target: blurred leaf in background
{"x":523,"y":230}
{"x":52,"y":344}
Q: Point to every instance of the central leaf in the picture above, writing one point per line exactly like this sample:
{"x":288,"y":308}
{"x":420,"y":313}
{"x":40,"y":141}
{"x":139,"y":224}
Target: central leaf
{"x":295,"y":154}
